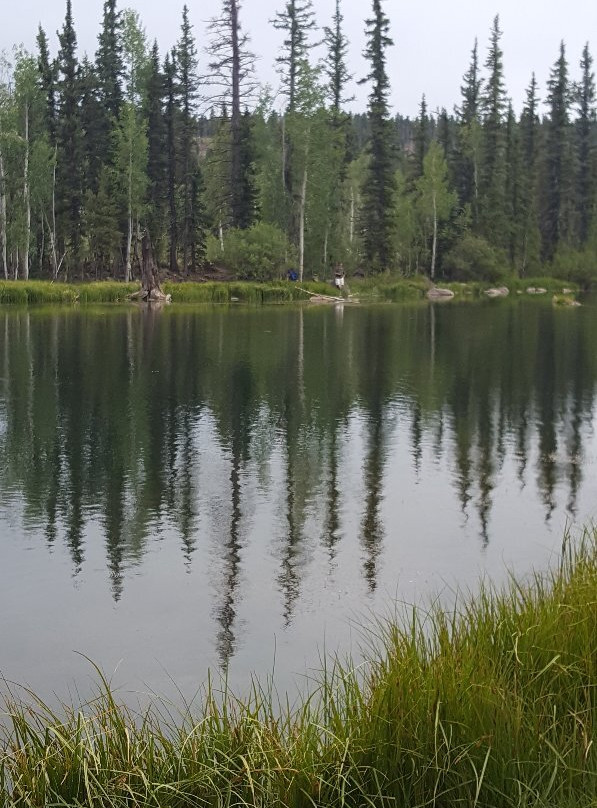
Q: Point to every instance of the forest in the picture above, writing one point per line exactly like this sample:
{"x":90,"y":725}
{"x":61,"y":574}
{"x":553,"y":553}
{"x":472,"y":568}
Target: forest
{"x":227,"y":176}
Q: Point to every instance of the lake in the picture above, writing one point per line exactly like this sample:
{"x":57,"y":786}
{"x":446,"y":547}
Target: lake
{"x":242,"y":490}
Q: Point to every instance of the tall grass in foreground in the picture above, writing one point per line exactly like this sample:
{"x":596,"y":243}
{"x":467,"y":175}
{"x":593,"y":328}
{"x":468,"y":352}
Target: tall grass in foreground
{"x":492,"y":705}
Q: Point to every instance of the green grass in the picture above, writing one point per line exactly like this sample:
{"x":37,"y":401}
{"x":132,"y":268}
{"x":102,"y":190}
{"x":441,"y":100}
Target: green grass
{"x":244,"y":291}
{"x":490,"y":706}
{"x":27,"y":292}
{"x":381,"y":288}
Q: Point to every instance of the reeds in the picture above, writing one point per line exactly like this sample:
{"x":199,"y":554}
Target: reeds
{"x":376,"y":288}
{"x":34,"y":292}
{"x":29,"y":292}
{"x":249,"y":292}
{"x":490,"y":705}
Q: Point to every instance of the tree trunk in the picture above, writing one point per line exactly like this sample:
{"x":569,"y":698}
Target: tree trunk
{"x":3,"y":214}
{"x":434,"y":247}
{"x":236,"y":168}
{"x":303,"y":200}
{"x":129,"y":235}
{"x":26,"y":198}
{"x":151,"y":291}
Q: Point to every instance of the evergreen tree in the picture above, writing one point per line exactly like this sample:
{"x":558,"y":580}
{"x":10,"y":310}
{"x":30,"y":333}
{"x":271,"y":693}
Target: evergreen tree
{"x":157,"y":156}
{"x":421,"y":138}
{"x":380,"y":186}
{"x":68,"y":136}
{"x":198,"y":221}
{"x":529,"y":177}
{"x":186,"y":67}
{"x":335,"y":66}
{"x":512,"y":209}
{"x":247,"y":207}
{"x":493,"y":173}
{"x":109,"y":64}
{"x":94,"y":147}
{"x":232,"y":70}
{"x":585,"y":182}
{"x":557,"y":167}
{"x":468,"y":144}
{"x":297,"y":21}
{"x":170,"y":122}
{"x":109,"y":70}
{"x":47,"y":82}
{"x":444,"y":133}
{"x":338,"y":76}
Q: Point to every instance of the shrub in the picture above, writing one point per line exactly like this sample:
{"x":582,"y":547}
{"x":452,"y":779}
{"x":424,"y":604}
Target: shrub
{"x":474,"y":259}
{"x":260,"y":253}
{"x":579,"y":266}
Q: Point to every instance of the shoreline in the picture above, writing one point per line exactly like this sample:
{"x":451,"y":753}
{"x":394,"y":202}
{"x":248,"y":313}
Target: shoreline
{"x":372,"y":290}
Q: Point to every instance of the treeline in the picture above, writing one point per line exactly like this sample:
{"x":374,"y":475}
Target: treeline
{"x":96,"y":152}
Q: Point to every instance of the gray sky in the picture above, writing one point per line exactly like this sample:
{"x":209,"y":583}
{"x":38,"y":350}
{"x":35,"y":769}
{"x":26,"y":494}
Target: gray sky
{"x":432,"y":40}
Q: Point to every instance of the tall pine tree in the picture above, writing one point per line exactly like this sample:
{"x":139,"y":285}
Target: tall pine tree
{"x":493,"y":167}
{"x":557,"y":152}
{"x":380,"y":187}
{"x":585,"y":176}
{"x":69,"y":140}
{"x":188,"y":85}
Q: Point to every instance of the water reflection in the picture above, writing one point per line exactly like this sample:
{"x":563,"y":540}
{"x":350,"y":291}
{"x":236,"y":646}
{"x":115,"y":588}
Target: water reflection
{"x":202,"y":425}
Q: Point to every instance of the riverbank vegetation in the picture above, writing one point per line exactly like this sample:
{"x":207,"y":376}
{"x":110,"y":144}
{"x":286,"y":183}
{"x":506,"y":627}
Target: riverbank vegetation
{"x":490,"y":704}
{"x":375,"y":289}
{"x":95,"y":151}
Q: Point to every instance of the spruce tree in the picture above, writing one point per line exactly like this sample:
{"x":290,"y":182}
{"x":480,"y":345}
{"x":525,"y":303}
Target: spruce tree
{"x":68,"y":136}
{"x":108,"y":60}
{"x":109,"y":70}
{"x":493,"y":173}
{"x":157,"y":155}
{"x":557,"y":165}
{"x":297,"y":21}
{"x":512,"y":208}
{"x":246,"y":200}
{"x":444,"y":133}
{"x":91,"y":113}
{"x":335,"y":67}
{"x":170,"y":121}
{"x":468,"y":142}
{"x":47,"y":83}
{"x":585,"y":147}
{"x":186,"y":74}
{"x":231,"y":69}
{"x":380,"y":186}
{"x":421,"y":138}
{"x":529,"y":177}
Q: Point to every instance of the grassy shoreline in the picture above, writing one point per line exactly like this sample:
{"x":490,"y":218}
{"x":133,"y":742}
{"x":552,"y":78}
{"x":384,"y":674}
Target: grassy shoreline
{"x":382,"y":289}
{"x":494,"y":705}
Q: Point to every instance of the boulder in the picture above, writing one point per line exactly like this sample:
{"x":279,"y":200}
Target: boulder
{"x":500,"y":291}
{"x":536,"y":290}
{"x":440,"y":294}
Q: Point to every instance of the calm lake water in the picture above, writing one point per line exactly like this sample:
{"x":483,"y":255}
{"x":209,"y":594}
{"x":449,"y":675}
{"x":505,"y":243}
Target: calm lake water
{"x":240,"y":490}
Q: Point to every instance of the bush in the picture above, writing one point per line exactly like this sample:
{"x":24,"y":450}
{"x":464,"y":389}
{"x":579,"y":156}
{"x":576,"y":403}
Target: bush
{"x":260,"y":253}
{"x":579,"y":266}
{"x":474,"y":259}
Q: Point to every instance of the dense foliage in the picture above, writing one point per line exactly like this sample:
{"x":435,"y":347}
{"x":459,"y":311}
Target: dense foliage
{"x":187,"y":146}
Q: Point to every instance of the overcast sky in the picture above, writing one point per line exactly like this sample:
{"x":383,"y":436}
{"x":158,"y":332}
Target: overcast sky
{"x":432,"y":40}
